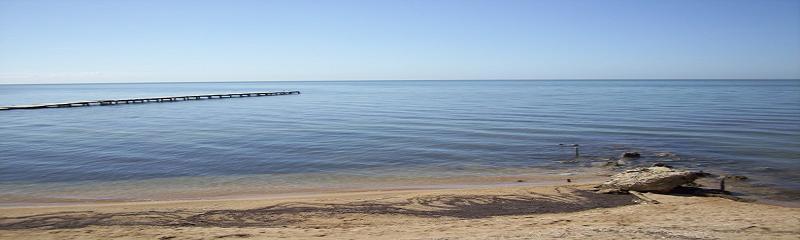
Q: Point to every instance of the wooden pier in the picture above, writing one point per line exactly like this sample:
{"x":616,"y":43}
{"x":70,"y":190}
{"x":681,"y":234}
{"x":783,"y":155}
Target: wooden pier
{"x":145,"y":100}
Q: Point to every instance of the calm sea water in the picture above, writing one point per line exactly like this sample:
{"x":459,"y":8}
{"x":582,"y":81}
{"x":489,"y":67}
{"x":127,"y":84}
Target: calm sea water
{"x":377,"y":129}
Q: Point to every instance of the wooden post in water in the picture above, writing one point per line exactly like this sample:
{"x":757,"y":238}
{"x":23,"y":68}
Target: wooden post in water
{"x":575,"y":146}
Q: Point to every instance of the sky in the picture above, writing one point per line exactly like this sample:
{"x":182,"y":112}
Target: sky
{"x":71,"y":41}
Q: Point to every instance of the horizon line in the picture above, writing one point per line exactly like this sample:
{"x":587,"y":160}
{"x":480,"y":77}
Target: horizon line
{"x":375,"y":80}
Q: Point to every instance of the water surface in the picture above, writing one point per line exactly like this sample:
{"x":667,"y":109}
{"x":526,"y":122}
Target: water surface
{"x":340,"y":132}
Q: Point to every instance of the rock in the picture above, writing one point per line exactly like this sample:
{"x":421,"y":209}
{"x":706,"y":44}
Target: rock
{"x":765,"y":169}
{"x":658,"y":164}
{"x":651,"y":179}
{"x":736,"y":177}
{"x":630,"y":155}
{"x":665,"y":154}
{"x":610,"y":163}
{"x":599,"y":164}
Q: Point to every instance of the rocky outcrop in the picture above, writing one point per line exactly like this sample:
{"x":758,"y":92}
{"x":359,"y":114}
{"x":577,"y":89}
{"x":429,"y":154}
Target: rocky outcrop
{"x":650,"y":179}
{"x":658,"y":164}
{"x":665,"y":155}
{"x":630,"y":155}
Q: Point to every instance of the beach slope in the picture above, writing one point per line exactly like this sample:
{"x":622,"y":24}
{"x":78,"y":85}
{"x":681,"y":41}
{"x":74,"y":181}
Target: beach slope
{"x":519,"y":212}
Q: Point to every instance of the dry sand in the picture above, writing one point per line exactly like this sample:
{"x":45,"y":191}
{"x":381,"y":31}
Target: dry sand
{"x":518,"y":212}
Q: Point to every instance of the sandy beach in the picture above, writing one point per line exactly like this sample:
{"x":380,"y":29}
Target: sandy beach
{"x":511,"y":212}
{"x":387,"y":120}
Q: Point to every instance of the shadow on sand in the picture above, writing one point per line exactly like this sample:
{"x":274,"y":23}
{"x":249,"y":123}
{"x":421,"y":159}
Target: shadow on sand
{"x":453,"y":206}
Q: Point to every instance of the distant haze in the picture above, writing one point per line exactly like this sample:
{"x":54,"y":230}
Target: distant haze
{"x":172,"y":41}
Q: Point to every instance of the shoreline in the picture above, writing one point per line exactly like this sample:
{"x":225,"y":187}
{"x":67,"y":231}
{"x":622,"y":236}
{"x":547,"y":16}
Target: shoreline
{"x":529,"y":204}
{"x":170,"y":190}
{"x":249,"y":186}
{"x":446,"y":183}
{"x":521,"y":212}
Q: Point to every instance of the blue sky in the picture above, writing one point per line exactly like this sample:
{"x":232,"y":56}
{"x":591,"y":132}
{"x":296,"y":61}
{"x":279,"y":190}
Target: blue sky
{"x":156,"y":41}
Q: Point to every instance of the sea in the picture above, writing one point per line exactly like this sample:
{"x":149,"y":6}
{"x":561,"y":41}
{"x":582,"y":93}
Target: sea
{"x":386,"y":134}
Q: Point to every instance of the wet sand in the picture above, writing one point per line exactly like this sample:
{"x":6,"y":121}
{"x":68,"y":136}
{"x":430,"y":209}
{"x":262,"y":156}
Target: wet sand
{"x":559,"y":211}
{"x":256,"y":186}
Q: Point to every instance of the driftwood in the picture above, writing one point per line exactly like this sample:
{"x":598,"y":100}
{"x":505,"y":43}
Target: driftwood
{"x":650,"y":179}
{"x":666,"y":181}
{"x":644,"y":198}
